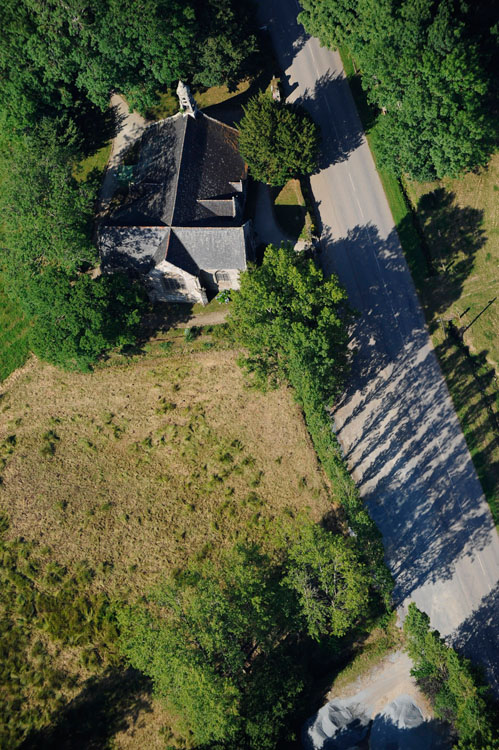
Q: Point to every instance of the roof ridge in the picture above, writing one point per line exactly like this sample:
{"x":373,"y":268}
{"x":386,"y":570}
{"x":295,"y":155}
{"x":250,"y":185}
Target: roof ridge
{"x":177,"y":176}
{"x":219,"y":122}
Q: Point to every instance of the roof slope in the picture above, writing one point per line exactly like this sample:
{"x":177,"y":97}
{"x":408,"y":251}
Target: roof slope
{"x":185,"y":175}
{"x":137,"y":248}
{"x":210,"y":163}
{"x":194,"y":248}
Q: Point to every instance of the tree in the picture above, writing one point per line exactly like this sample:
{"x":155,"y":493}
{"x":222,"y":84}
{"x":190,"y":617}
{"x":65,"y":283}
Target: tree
{"x":46,"y":213}
{"x":207,"y":638}
{"x":227,"y":48}
{"x":420,"y":68}
{"x":277,"y":141}
{"x":331,"y":584}
{"x":56,"y":54}
{"x":76,"y":319}
{"x":293,"y":323}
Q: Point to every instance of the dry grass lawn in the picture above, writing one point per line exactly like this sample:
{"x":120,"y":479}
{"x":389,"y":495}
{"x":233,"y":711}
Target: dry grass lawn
{"x":462,"y":231}
{"x":145,"y":462}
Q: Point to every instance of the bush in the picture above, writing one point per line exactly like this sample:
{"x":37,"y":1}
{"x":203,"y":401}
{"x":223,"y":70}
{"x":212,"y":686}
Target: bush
{"x":450,"y":683}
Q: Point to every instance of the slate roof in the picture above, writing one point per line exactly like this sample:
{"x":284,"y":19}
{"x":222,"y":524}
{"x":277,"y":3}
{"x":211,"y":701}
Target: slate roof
{"x":190,"y":248}
{"x":182,"y":205}
{"x":193,"y":248}
{"x":185,"y":176}
{"x":138,"y":248}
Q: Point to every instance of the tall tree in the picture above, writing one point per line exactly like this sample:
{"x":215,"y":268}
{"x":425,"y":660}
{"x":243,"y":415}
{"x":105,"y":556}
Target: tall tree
{"x":293,"y":323}
{"x":277,"y":141}
{"x":227,"y":46}
{"x":46,"y":213}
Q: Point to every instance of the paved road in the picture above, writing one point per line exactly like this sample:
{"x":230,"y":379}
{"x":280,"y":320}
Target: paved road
{"x":396,"y":422}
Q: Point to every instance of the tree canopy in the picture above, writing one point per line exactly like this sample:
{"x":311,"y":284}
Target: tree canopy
{"x":277,"y":141}
{"x":217,"y":639}
{"x":54,"y":55}
{"x":76,"y":319}
{"x":451,"y":683}
{"x":422,"y":70}
{"x":292,"y":321}
{"x":205,"y":639}
{"x":331,"y":584}
{"x":47,"y":247}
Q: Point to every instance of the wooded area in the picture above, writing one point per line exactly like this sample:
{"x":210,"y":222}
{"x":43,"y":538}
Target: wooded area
{"x":429,"y":69}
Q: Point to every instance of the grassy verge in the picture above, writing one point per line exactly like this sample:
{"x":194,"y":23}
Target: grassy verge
{"x":14,"y":347}
{"x":96,"y":161}
{"x":291,"y":212}
{"x":380,"y":642}
{"x":449,"y":284}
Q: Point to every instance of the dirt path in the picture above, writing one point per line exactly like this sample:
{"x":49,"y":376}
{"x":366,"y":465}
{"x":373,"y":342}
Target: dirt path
{"x":382,"y":684}
{"x":129,"y":127}
{"x":208,"y":319}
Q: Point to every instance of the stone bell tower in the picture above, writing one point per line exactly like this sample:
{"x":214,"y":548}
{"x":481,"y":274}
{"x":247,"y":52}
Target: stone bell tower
{"x":187,"y":102}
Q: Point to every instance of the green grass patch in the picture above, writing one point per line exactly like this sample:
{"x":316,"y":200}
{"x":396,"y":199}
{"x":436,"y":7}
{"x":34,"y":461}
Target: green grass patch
{"x":290,"y":210}
{"x":14,"y":347}
{"x":96,"y":161}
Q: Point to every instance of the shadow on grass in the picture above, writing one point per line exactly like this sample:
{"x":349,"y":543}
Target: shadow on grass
{"x":95,"y":127}
{"x":291,"y":219}
{"x":453,"y":234}
{"x":105,"y":706}
{"x":472,"y":383}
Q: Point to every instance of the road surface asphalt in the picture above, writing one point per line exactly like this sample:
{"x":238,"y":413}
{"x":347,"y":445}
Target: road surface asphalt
{"x":396,"y":422}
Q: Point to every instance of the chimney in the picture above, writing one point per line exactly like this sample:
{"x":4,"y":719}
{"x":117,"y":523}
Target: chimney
{"x":187,"y":102}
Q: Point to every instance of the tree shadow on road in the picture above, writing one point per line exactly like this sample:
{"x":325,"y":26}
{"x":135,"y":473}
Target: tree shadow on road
{"x":339,"y":137}
{"x":399,"y":435}
{"x":476,"y":634}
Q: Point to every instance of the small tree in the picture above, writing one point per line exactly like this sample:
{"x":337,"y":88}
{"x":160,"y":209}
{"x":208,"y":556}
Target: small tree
{"x":331,"y":584}
{"x":277,"y":141}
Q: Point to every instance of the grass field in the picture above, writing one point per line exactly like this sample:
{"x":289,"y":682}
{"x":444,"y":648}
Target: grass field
{"x":452,"y":226}
{"x":143,"y":463}
{"x":14,"y":347}
{"x":460,"y":220}
{"x":149,"y":461}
